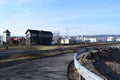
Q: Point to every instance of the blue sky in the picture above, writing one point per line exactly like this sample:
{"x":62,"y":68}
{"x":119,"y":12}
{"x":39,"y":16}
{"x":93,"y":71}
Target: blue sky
{"x":81,"y":17}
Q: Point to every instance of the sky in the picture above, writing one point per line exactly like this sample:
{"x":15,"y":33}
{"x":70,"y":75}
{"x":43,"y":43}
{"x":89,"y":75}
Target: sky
{"x":78,"y":17}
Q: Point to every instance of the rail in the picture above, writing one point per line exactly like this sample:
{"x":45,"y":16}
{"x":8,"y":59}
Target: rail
{"x":84,"y":74}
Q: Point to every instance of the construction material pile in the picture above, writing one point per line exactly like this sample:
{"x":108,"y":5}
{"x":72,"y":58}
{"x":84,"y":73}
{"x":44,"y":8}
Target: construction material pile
{"x":105,"y":63}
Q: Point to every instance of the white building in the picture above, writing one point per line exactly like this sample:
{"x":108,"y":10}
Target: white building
{"x":65,"y":41}
{"x":93,"y":39}
{"x":90,"y":39}
{"x":6,"y":36}
{"x":109,"y":39}
{"x":118,"y":39}
{"x":79,"y":39}
{"x":102,"y":39}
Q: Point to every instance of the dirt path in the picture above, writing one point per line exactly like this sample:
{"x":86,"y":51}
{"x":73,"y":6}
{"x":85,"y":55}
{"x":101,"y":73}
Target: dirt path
{"x":52,"y":68}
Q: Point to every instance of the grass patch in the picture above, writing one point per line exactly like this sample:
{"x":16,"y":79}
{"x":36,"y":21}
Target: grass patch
{"x":59,"y":49}
{"x":48,"y":47}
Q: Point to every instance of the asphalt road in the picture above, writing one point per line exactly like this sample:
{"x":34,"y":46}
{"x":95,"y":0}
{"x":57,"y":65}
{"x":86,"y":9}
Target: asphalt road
{"x":51,"y":68}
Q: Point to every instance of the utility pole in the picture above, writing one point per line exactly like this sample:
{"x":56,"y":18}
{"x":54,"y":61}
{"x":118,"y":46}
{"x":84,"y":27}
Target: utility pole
{"x":67,"y":30}
{"x":82,"y":36}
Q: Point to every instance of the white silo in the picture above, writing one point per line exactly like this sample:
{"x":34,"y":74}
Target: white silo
{"x":6,"y":36}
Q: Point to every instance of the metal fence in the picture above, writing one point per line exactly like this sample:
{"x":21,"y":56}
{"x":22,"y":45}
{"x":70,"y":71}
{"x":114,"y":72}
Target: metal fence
{"x":84,"y":74}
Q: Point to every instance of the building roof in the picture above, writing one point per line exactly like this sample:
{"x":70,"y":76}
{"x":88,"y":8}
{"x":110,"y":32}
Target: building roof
{"x":6,"y":31}
{"x":37,"y":31}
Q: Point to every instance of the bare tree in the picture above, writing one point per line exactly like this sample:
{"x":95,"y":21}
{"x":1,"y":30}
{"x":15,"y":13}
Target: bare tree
{"x":57,"y":37}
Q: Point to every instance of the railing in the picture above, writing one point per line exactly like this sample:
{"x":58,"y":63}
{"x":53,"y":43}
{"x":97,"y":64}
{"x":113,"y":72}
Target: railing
{"x":84,"y":74}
